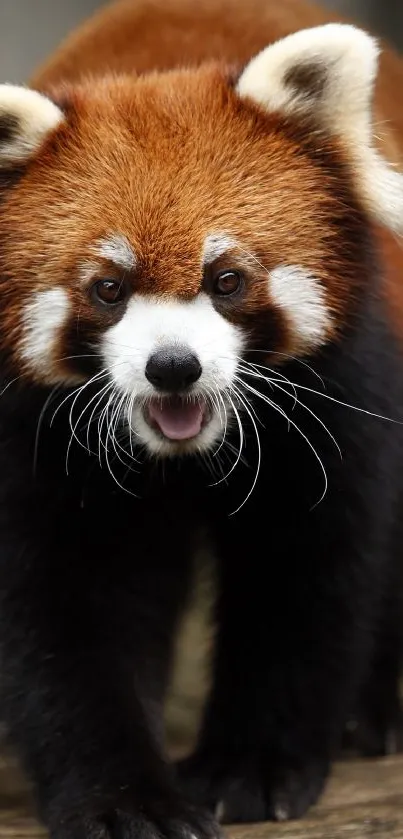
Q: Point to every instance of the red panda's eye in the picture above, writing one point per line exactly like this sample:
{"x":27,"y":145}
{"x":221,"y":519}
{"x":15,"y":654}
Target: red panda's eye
{"x":109,"y":292}
{"x":227,"y":282}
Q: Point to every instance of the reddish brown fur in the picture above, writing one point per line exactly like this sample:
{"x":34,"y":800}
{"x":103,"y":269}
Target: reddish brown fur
{"x":146,"y":35}
{"x":102,"y":199}
{"x":115,"y":167}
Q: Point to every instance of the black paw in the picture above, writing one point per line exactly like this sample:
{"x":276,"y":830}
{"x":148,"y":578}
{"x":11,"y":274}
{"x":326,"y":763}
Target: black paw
{"x":375,"y":728}
{"x":123,"y":824}
{"x":252,"y":790}
{"x":371,"y":737}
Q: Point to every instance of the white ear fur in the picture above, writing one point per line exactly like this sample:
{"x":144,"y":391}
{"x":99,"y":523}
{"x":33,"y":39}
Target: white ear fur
{"x":26,"y":117}
{"x":329,"y":74}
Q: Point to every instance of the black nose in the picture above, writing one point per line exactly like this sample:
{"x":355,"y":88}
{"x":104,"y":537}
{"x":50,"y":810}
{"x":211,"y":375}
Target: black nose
{"x":173,"y":369}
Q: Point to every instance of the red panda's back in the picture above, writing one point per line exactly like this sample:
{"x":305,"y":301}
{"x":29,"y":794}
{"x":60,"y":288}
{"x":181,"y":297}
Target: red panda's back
{"x":144,"y":35}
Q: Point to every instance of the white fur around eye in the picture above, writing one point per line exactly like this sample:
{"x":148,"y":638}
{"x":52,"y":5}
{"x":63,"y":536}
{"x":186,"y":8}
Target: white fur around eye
{"x":43,"y":319}
{"x":216,"y":245}
{"x":117,"y":249}
{"x":301,"y":298}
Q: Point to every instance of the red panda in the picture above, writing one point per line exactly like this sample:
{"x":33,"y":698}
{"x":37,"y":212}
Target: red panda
{"x":201,"y":322}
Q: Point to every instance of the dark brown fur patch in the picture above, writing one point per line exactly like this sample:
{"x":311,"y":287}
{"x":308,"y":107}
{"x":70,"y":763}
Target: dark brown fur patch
{"x":9,"y":128}
{"x":308,"y":79}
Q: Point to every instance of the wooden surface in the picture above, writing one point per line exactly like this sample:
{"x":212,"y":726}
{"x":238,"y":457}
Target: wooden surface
{"x":364,"y":799}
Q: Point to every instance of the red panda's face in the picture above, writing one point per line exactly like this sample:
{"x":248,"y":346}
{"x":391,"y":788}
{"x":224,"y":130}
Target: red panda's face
{"x":158,"y":232}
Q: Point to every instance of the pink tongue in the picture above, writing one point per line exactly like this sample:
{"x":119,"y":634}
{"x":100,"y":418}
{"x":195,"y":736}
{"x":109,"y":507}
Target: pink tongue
{"x":177,"y":420}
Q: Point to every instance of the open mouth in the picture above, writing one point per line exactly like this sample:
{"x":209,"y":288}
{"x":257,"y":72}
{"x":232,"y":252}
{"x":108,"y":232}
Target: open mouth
{"x":176,"y":418}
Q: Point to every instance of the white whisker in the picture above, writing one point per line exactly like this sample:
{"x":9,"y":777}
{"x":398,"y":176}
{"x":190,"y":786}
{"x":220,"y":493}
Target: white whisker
{"x":257,"y":393}
{"x":241,"y":442}
{"x":312,"y":413}
{"x":73,"y":428}
{"x":246,"y":406}
{"x":347,"y":405}
{"x":11,"y":382}
{"x":225,"y":424}
{"x":301,"y":433}
{"x":39,"y":425}
{"x":115,"y":420}
{"x":102,"y":374}
{"x":302,"y":404}
{"x":290,"y":358}
{"x":251,"y":370}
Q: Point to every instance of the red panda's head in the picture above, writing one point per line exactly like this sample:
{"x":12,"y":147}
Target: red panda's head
{"x":157,"y":230}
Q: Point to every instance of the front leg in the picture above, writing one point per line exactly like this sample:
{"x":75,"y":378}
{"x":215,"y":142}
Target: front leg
{"x":87,"y":623}
{"x":295,"y":611}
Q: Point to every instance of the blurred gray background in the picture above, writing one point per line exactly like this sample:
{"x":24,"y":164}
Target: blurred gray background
{"x":30,"y":29}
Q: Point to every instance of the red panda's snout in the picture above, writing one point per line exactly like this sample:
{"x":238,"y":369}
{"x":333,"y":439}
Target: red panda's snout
{"x":175,"y":362}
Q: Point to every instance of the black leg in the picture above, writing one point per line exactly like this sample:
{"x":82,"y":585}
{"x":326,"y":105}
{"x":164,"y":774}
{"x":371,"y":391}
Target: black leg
{"x":303,"y":583}
{"x":375,"y":728}
{"x":295,"y":617}
{"x":88,"y":611}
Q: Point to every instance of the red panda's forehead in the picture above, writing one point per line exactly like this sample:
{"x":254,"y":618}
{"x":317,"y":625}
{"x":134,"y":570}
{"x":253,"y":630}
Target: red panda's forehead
{"x":165,"y":161}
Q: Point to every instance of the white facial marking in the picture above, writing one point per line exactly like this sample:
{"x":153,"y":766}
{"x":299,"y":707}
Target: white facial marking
{"x":302,"y":300}
{"x":118,"y":250}
{"x":151,"y":323}
{"x":34,"y":116}
{"x":216,"y":245}
{"x":43,"y":319}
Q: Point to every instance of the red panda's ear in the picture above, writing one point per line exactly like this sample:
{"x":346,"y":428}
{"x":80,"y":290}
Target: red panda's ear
{"x":328,"y":73}
{"x":26,"y":118}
